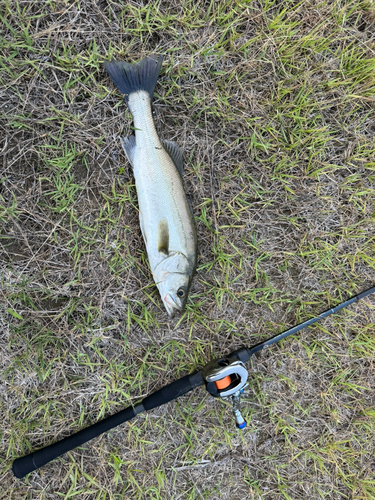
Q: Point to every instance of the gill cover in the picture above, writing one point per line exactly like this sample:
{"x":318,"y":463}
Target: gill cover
{"x":173,"y":278}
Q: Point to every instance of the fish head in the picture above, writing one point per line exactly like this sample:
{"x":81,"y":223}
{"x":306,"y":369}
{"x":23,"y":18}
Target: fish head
{"x":173,"y":281}
{"x":174,"y":292}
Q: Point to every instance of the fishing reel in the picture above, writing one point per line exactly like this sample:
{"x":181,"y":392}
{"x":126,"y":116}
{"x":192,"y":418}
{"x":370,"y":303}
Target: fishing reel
{"x":226,"y":378}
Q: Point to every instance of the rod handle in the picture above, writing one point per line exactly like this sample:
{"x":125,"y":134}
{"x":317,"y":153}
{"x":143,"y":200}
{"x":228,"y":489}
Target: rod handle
{"x":24,"y":465}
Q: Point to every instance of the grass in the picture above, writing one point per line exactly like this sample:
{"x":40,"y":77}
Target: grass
{"x":273,"y":104}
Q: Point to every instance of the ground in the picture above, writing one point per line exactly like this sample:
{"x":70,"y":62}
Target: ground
{"x":273,"y":104}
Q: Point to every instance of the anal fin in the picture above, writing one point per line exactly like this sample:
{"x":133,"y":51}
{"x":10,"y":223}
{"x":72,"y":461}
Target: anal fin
{"x":128,"y":144}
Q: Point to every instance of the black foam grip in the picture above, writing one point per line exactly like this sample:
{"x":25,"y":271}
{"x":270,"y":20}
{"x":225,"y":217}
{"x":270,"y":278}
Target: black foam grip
{"x":24,"y":465}
{"x":173,"y":390}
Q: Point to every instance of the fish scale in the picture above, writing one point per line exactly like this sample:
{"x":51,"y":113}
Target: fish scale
{"x":155,"y":175}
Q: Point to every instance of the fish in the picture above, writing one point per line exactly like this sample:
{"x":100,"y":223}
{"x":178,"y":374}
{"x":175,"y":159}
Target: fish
{"x":165,"y":214}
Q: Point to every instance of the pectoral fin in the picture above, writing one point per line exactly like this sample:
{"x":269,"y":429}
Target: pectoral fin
{"x":163,"y":236}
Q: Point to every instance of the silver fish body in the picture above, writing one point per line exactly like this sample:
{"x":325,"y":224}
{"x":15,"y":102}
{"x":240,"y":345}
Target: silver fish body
{"x":166,"y":220}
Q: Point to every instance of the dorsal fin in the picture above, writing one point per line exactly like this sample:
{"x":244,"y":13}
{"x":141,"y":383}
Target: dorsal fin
{"x":175,"y":152}
{"x":163,"y":236}
{"x":190,"y":206}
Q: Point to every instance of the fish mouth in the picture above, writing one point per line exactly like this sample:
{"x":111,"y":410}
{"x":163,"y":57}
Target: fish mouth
{"x":171,"y":305}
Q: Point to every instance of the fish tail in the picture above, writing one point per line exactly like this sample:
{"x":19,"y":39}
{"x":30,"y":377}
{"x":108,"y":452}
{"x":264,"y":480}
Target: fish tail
{"x":130,"y":78}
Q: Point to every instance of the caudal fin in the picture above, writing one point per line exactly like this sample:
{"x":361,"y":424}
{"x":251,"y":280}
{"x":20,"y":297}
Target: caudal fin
{"x":130,"y":78}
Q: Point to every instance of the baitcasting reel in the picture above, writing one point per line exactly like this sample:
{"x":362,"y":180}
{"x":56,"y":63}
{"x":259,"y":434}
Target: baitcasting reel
{"x":226,"y":378}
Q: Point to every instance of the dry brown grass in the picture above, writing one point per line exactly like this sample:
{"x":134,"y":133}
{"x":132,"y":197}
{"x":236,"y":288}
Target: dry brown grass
{"x":273,"y":104}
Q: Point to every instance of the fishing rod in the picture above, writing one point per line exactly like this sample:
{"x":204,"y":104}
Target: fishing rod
{"x":224,"y":378}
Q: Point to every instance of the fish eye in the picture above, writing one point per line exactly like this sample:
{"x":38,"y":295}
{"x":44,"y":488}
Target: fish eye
{"x":181,"y":292}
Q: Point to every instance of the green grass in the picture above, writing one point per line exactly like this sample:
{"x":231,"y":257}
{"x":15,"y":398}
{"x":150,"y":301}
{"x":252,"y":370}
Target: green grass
{"x":273,"y":105}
